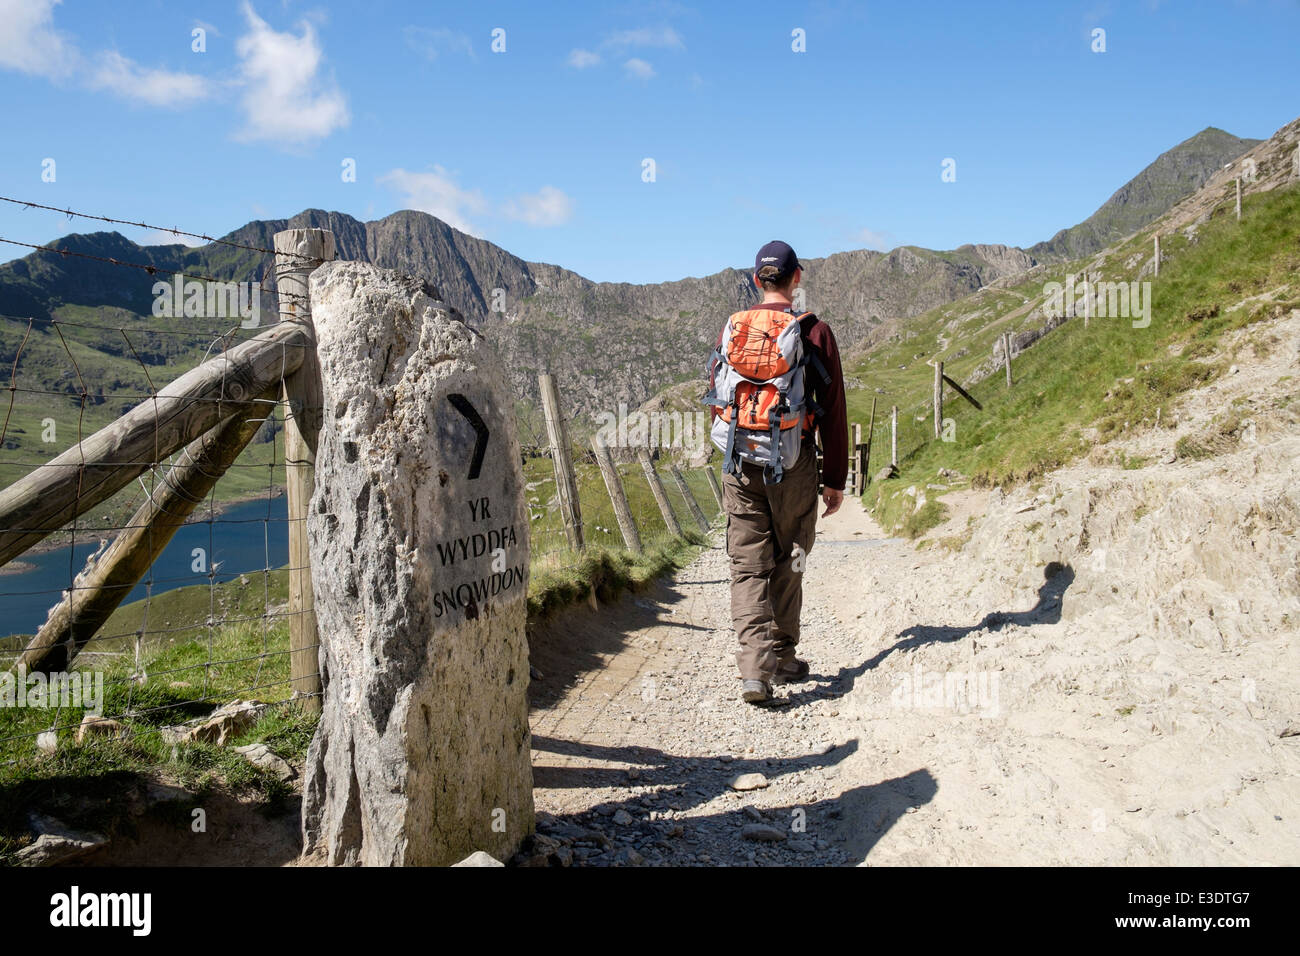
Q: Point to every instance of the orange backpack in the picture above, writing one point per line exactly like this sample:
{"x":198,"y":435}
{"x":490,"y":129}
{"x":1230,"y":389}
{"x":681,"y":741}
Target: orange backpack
{"x":760,"y":392}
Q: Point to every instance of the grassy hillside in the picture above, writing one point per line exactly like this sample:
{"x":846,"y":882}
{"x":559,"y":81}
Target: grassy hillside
{"x":1080,"y":384}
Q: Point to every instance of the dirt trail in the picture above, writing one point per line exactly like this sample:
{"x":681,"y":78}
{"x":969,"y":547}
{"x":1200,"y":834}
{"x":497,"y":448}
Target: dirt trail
{"x":1106,"y":672}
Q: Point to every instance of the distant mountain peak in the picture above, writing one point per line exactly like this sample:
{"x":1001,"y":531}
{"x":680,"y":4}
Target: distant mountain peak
{"x":1173,"y":176}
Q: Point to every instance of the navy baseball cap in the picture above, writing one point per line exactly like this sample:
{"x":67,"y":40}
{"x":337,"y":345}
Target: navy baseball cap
{"x":779,"y":254}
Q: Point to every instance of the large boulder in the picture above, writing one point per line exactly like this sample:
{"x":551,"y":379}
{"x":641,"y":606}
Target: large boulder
{"x":419,"y":543}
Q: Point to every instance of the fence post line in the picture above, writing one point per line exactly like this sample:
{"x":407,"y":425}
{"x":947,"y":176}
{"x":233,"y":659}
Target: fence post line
{"x":939,"y":398}
{"x":1006,"y":355}
{"x":566,"y":484}
{"x":657,"y":489}
{"x":713,"y":484}
{"x":617,"y":496}
{"x":680,"y":480}
{"x":297,"y":254}
{"x":893,"y":445}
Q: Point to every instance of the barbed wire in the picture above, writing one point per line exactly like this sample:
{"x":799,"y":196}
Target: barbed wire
{"x":142,"y":225}
{"x":232,"y":333}
{"x":144,"y":267}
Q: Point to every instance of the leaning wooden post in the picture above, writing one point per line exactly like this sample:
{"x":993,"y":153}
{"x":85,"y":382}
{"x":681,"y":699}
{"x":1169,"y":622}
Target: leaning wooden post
{"x":101,"y":587}
{"x":617,"y":496}
{"x":1238,"y":199}
{"x":713,"y":484}
{"x":566,"y":484}
{"x":680,"y":480}
{"x":938,"y":398}
{"x":95,"y":468}
{"x":297,"y":254}
{"x":1006,"y":355}
{"x":1157,"y":245}
{"x":657,"y":489}
{"x":893,"y":446}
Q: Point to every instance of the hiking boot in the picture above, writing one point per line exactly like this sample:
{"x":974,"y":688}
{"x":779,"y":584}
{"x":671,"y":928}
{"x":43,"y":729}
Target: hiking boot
{"x":756,"y":692}
{"x":791,"y":672}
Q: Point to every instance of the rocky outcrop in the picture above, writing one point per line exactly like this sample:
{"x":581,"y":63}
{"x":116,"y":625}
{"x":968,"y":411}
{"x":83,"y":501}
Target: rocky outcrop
{"x":420,"y":541}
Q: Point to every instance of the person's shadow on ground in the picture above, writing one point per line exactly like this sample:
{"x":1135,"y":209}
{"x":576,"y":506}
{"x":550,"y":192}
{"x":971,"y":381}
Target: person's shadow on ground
{"x":1057,"y":578}
{"x":853,"y":822}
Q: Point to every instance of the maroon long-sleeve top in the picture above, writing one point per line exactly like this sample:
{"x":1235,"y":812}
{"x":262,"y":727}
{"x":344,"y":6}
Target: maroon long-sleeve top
{"x":832,"y":426}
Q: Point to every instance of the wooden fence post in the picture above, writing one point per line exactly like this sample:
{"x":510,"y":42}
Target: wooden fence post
{"x":657,"y":489}
{"x":566,"y":484}
{"x":680,"y":480}
{"x":938,"y":398}
{"x":1157,"y":244}
{"x":893,"y":450}
{"x":297,"y":253}
{"x":1006,"y":355}
{"x":713,"y":484}
{"x":1238,"y":199}
{"x":866,"y":451}
{"x":617,"y":496}
{"x":855,"y":461}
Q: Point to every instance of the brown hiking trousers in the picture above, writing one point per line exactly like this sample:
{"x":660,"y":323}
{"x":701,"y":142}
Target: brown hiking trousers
{"x":770,"y":530}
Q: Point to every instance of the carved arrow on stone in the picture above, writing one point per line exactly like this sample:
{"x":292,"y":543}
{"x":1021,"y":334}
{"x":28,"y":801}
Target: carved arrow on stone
{"x":462,"y":405}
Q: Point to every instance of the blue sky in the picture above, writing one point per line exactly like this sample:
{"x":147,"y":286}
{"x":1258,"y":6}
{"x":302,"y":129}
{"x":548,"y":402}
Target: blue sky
{"x":541,"y":148}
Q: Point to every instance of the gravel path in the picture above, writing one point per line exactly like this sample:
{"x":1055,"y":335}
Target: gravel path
{"x":637,"y":759}
{"x":1105,"y":672}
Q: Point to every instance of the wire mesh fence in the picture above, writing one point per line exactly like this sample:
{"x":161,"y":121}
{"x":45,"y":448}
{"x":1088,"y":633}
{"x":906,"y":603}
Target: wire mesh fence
{"x":89,"y":647}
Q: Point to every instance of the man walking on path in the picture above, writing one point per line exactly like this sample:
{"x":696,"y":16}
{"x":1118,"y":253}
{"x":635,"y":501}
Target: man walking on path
{"x":772,"y":513}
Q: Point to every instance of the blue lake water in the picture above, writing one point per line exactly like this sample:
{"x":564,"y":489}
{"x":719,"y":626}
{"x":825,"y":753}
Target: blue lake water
{"x":245,"y":538}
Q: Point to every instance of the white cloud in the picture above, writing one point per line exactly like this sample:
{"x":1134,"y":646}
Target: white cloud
{"x":547,"y":207}
{"x":581,"y":59}
{"x":431,"y":43}
{"x":438,"y":194}
{"x":156,"y":87}
{"x":639,"y":68}
{"x":286,"y":98}
{"x":29,"y":42}
{"x":646,"y":36}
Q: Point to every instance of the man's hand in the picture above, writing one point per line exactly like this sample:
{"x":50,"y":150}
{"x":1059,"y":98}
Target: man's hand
{"x":832,"y":499}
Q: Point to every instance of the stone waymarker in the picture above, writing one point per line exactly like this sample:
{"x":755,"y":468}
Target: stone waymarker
{"x":419,"y":544}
